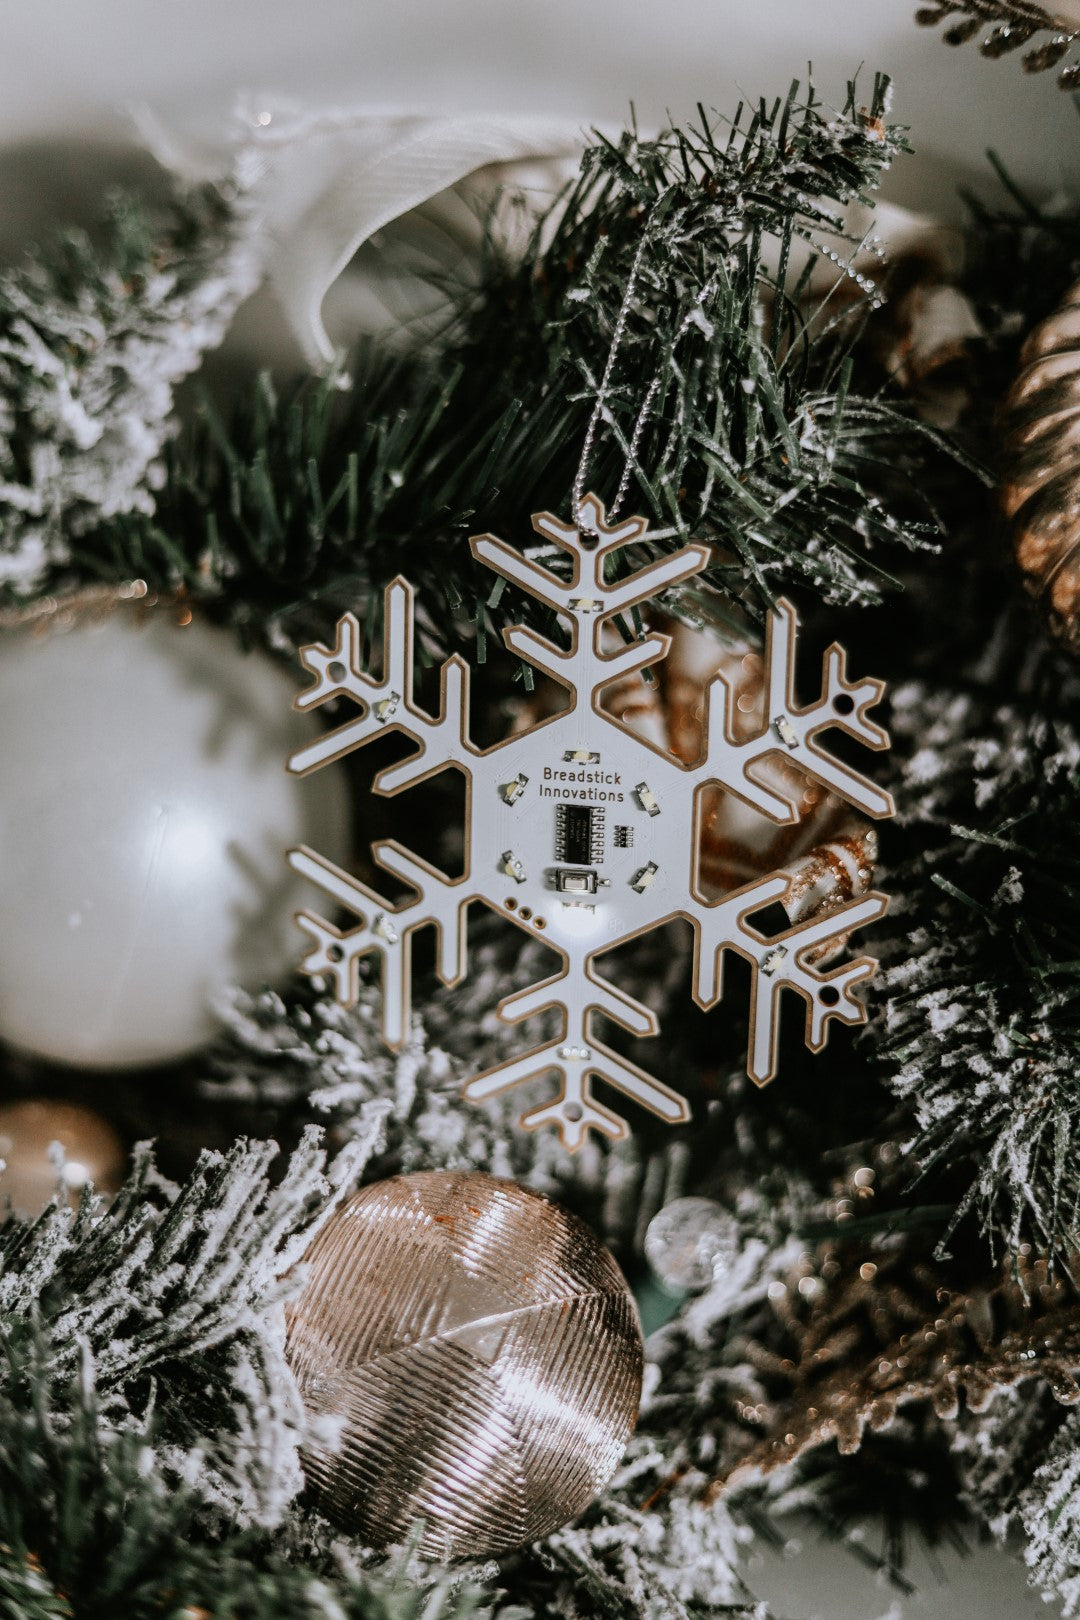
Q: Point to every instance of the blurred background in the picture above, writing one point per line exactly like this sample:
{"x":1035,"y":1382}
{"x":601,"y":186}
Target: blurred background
{"x":72,"y":68}
{"x":74,"y":75}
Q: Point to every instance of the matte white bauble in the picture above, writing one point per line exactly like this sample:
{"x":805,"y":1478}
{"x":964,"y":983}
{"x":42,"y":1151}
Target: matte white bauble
{"x":145,"y":813}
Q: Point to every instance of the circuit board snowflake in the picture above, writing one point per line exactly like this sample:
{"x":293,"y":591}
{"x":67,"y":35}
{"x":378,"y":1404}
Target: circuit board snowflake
{"x":582,"y":832}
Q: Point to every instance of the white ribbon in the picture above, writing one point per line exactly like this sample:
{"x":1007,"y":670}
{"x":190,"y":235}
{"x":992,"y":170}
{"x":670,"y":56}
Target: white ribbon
{"x":325,"y":183}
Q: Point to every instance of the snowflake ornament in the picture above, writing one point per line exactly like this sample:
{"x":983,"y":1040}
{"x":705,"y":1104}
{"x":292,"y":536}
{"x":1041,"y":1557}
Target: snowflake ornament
{"x":582,"y":832}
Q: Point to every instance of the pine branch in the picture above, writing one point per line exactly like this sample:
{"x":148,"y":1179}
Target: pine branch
{"x":93,"y":342}
{"x":176,"y":1295}
{"x":981,"y":1017}
{"x":1048,"y":1511}
{"x":652,"y":1546}
{"x":302,"y":1056}
{"x":751,"y":436}
{"x":1011,"y":24}
{"x":787,"y":1350}
{"x":121,"y":1495}
{"x":923,"y":1342}
{"x":1018,"y":1464}
{"x":93,"y":1524}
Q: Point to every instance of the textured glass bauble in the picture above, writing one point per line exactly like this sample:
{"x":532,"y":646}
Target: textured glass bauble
{"x":30,"y":1132}
{"x":144,"y":817}
{"x":478,"y":1355}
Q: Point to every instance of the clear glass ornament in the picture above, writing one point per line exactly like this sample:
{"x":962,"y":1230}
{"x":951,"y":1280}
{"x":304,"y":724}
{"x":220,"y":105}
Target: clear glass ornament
{"x":691,"y":1242}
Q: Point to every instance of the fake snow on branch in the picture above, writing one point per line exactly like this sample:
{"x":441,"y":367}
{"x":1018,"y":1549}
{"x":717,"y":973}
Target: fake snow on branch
{"x":584,"y":834}
{"x":172,"y":1285}
{"x":93,"y":344}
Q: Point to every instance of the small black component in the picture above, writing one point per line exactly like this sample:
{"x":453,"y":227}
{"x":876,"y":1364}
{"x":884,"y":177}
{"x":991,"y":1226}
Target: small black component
{"x":624,"y":837}
{"x":574,"y":833}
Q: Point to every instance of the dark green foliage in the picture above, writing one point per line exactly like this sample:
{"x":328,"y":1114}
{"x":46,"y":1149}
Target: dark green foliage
{"x":877,"y":1502}
{"x":175,"y":1293}
{"x":94,"y":338}
{"x":751,"y":436}
{"x":981,"y":1028}
{"x":1025,"y":252}
{"x":93,"y":1525}
{"x":148,"y":1432}
{"x":113,"y":1501}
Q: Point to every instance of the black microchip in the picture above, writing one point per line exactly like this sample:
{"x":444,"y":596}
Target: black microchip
{"x":574,"y":833}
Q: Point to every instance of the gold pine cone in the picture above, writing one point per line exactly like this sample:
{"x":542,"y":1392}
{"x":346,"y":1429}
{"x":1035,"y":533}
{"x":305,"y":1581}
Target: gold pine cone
{"x":1040,"y":484}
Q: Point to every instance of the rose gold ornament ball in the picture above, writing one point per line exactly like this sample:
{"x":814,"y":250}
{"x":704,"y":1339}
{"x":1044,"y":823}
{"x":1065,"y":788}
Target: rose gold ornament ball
{"x":479,"y":1353}
{"x":93,"y":1152}
{"x":1039,"y":482}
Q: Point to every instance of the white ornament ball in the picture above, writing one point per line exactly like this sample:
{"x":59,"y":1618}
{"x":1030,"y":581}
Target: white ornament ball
{"x":145,"y":813}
